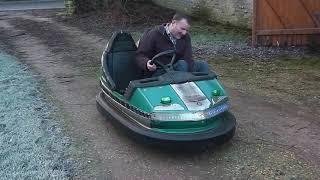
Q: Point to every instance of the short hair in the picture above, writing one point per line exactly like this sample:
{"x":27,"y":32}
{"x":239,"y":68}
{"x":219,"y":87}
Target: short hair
{"x":180,"y":16}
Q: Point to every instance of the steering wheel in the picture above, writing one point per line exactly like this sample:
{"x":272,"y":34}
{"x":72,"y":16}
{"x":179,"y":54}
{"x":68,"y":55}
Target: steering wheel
{"x":166,"y":67}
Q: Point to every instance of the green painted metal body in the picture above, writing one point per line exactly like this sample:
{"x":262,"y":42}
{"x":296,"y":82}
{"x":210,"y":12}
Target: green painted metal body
{"x":148,"y":98}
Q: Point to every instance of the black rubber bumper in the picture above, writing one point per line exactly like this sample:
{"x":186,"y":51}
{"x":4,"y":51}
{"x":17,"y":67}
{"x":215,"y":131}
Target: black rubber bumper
{"x":217,"y":135}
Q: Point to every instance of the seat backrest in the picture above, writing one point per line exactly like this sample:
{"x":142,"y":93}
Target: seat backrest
{"x":119,"y":60}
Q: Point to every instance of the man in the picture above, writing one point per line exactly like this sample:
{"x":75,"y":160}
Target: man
{"x":168,"y":36}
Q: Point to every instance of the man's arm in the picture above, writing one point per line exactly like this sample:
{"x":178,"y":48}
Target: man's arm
{"x":145,"y":49}
{"x":187,"y":55}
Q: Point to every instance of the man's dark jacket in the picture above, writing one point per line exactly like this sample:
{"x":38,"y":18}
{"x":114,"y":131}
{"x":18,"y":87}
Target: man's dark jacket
{"x":155,"y":41}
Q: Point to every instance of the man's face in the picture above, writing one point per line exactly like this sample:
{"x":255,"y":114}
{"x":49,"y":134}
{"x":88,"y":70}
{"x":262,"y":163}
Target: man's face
{"x":180,"y":28}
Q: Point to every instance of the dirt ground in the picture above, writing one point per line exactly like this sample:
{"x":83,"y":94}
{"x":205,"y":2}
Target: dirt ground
{"x":276,"y":137}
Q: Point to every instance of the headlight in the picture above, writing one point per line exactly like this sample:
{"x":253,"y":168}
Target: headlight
{"x":170,"y":107}
{"x":190,"y":116}
{"x":219,"y":99}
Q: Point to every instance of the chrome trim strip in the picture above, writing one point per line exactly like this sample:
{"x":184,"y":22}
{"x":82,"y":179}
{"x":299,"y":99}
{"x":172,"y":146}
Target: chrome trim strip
{"x":191,"y":116}
{"x":129,"y":113}
{"x":104,"y":79}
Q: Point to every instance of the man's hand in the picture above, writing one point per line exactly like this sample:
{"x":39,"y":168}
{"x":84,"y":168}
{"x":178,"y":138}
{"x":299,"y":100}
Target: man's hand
{"x":151,"y":67}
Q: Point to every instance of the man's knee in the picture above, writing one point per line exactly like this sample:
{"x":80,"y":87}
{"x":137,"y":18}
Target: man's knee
{"x":201,"y":66}
{"x":181,"y":65}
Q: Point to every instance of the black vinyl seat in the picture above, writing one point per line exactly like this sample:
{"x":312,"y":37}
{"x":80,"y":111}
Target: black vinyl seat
{"x":118,"y":61}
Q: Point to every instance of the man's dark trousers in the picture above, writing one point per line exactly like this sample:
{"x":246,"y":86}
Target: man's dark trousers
{"x":181,"y":65}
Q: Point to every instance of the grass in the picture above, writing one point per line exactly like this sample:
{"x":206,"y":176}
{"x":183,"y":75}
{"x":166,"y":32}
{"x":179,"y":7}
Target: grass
{"x":281,"y":79}
{"x":32,"y":143}
{"x":203,"y":34}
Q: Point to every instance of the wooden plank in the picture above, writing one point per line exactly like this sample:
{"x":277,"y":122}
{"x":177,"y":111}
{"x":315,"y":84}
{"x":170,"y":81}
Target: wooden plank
{"x":291,"y":40}
{"x":281,"y":40}
{"x":268,"y":40}
{"x":317,"y":18}
{"x":294,"y":37}
{"x":288,"y":31}
{"x":266,"y":18}
{"x":299,"y":40}
{"x":287,"y":40}
{"x":264,"y":40}
{"x":304,"y":40}
{"x":275,"y":40}
{"x":285,"y":22}
{"x":276,"y":14}
{"x":292,"y":13}
{"x":313,"y":7}
{"x":259,"y":41}
{"x":295,"y":40}
{"x":254,"y":24}
{"x":314,"y":20}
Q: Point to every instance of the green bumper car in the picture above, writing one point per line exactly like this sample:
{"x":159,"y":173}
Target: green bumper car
{"x":174,"y":107}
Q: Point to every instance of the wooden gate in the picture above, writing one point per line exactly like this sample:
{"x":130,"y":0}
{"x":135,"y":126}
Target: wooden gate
{"x":285,"y":22}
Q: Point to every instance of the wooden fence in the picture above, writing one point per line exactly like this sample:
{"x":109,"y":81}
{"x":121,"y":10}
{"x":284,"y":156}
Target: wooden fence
{"x":285,"y":22}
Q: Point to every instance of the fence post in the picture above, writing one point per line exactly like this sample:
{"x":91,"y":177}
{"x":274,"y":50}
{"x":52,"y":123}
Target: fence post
{"x":254,"y":24}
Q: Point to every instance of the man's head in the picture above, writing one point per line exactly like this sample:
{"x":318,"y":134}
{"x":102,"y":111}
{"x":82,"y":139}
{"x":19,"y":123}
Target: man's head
{"x":179,"y":25}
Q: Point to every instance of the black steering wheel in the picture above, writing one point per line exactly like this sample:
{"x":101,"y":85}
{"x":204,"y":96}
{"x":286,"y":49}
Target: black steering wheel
{"x":166,"y":67}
